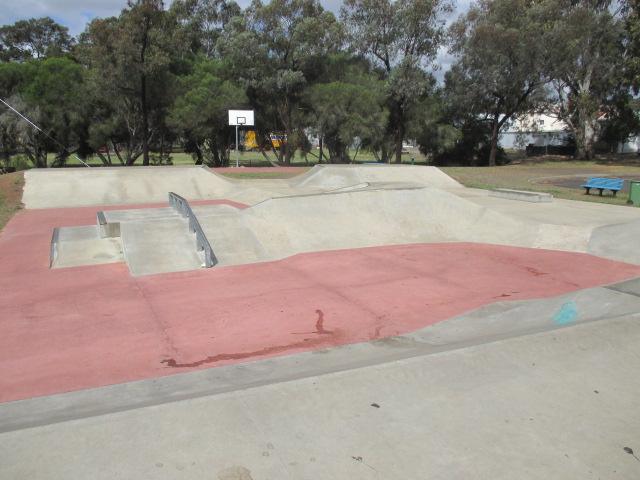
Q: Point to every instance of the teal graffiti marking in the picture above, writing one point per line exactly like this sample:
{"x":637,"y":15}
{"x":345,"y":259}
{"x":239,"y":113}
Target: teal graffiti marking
{"x":567,"y":314}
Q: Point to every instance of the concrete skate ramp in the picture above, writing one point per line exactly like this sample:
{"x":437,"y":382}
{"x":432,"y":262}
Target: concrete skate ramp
{"x":281,"y":227}
{"x":617,"y":242}
{"x":79,"y":187}
{"x":289,"y":225}
{"x":341,"y":176}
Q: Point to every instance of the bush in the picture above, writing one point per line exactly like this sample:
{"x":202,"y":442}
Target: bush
{"x":21,"y":162}
{"x":464,"y":154}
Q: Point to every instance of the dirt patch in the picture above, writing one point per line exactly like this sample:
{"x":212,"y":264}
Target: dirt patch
{"x":10,"y":196}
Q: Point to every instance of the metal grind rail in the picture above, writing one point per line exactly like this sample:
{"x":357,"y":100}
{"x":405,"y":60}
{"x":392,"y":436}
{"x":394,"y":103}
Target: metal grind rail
{"x":181,"y":205}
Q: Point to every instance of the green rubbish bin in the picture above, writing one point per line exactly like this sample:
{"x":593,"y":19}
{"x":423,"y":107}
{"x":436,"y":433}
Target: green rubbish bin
{"x":634,"y":193}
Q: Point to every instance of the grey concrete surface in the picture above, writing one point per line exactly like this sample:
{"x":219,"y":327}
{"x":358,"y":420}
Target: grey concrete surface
{"x":75,"y":187}
{"x":150,"y":241}
{"x":338,"y":207}
{"x":160,"y":246}
{"x":618,"y":242}
{"x":83,"y":245}
{"x":233,"y":241}
{"x":558,"y":404}
{"x":353,"y":218}
{"x":331,"y":177}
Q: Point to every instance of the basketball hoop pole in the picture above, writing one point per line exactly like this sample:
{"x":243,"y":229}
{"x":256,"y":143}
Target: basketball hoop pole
{"x":237,"y":162}
{"x":238,"y":118}
{"x":239,"y":121}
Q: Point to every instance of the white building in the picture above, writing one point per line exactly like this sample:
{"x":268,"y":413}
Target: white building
{"x":543,"y":130}
{"x":538,"y":129}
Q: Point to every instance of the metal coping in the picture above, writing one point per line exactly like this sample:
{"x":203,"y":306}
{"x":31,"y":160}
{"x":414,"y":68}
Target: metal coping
{"x":181,"y":205}
{"x":53,"y":249}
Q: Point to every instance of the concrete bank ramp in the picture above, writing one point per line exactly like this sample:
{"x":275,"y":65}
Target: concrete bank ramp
{"x":618,"y":242}
{"x":289,"y":225}
{"x":331,"y":177}
{"x":360,"y":207}
{"x":509,"y":319}
{"x":156,"y":240}
{"x":79,"y":187}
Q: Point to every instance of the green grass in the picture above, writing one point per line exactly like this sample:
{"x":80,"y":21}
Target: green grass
{"x":245,"y":159}
{"x":10,"y":196}
{"x":533,"y":176}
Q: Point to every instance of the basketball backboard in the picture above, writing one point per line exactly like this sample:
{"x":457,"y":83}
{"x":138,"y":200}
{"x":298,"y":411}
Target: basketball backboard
{"x":241,"y":117}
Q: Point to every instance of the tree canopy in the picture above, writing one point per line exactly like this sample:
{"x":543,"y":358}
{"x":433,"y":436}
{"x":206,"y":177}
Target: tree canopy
{"x":403,"y":37}
{"x":131,"y":86}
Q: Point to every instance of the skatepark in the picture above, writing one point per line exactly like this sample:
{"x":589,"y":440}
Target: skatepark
{"x":350,"y":322}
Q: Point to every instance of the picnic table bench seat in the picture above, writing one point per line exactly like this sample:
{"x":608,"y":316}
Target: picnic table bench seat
{"x":613,"y":184}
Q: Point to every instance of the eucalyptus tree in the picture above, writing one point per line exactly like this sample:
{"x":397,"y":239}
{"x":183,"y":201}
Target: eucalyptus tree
{"x":403,"y":37}
{"x":501,"y":65}
{"x":431,"y":128}
{"x":129,"y":60}
{"x":33,"y":38}
{"x":632,"y":27}
{"x":622,"y":120}
{"x":586,"y":64}
{"x":47,"y":109}
{"x":202,"y":22}
{"x":347,"y":106}
{"x":275,"y":50}
{"x":199,"y":113}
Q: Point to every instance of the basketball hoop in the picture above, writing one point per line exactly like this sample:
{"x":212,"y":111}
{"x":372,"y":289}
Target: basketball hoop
{"x":238,"y":118}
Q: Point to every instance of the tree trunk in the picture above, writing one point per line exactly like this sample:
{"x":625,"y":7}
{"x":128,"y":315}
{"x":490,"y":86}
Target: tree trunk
{"x":400,"y":130}
{"x":198,"y":152}
{"x":494,"y":140}
{"x":286,"y":120}
{"x":145,"y":121}
{"x":264,"y":154}
{"x":585,"y":136}
{"x":320,"y":153}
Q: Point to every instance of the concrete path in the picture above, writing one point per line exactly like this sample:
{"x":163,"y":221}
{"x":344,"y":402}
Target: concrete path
{"x":420,"y":360}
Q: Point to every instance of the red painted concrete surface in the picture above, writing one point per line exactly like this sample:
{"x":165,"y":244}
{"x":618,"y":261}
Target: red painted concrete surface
{"x":76,"y":328}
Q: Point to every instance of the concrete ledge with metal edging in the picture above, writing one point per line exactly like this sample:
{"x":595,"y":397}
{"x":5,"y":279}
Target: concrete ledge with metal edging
{"x":107,"y":229}
{"x":181,"y":205}
{"x":53,"y":250}
{"x":535,"y":197}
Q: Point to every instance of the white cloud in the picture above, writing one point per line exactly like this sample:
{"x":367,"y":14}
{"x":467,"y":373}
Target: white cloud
{"x":73,"y":14}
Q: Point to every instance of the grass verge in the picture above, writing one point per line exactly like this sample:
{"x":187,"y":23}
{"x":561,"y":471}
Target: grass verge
{"x":10,"y":196}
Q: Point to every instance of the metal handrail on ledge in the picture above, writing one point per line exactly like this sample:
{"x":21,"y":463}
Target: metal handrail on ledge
{"x":181,"y":205}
